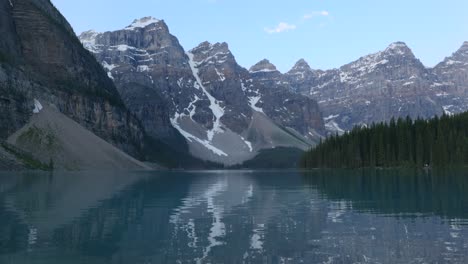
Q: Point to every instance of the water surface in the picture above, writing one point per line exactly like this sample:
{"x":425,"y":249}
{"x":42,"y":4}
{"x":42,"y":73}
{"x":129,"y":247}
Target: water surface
{"x":234,"y":217}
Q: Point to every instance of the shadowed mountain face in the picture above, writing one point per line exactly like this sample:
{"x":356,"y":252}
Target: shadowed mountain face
{"x":41,"y":58}
{"x":54,"y":139}
{"x":389,"y":83}
{"x":453,"y":77}
{"x":222,"y":110}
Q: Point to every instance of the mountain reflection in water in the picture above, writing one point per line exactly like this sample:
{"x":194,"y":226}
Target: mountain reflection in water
{"x":323,"y":216}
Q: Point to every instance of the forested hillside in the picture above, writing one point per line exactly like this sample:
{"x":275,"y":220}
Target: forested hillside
{"x":441,"y":141}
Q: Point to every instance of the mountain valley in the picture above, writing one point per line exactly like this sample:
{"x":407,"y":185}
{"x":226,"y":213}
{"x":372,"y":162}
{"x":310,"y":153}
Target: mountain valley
{"x":138,"y":89}
{"x":225,"y":113}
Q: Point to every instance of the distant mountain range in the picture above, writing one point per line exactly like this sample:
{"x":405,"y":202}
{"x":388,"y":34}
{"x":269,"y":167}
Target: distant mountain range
{"x":143,"y":94}
{"x":211,"y":100}
{"x":390,"y":83}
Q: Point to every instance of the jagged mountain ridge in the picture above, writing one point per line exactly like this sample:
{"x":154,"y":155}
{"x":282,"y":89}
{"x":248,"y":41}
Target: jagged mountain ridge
{"x":452,"y":75}
{"x":224,"y":113}
{"x":386,"y":84}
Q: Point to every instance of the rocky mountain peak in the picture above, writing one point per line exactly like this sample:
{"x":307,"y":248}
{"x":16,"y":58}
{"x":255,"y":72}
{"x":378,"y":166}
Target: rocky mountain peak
{"x":143,"y":23}
{"x":456,"y":60}
{"x":207,"y":47}
{"x":221,"y":46}
{"x":301,"y":76}
{"x":397,"y":45}
{"x":209,"y":53}
{"x":452,"y":71}
{"x":263,"y":66}
{"x":88,"y":38}
{"x":300,"y":66}
{"x":224,"y":113}
{"x":463,"y":50}
{"x":144,"y":35}
{"x":88,"y":34}
{"x":392,"y":59}
{"x":398,"y":48}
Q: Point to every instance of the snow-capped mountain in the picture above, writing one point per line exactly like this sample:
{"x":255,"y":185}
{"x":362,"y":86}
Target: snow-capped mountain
{"x":222,"y":111}
{"x":454,"y":69}
{"x":302,"y":75}
{"x":386,"y":84}
{"x":452,"y":75}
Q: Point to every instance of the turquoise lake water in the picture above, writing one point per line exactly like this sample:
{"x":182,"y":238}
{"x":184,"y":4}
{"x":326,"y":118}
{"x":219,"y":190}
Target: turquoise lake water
{"x":333,"y":216}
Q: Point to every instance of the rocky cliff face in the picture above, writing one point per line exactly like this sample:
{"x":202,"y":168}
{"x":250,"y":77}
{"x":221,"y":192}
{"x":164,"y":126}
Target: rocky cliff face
{"x":377,"y":87}
{"x":202,"y":94}
{"x":40,"y":57}
{"x":283,"y":105}
{"x":452,"y":75}
{"x":454,"y":69}
{"x":302,"y":75}
{"x":149,"y":68}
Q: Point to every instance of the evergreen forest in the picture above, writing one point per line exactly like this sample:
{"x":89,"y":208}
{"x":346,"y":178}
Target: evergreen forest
{"x":438,"y":142}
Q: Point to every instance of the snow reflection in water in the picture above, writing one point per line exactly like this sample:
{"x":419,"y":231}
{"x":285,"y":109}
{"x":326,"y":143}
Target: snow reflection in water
{"x":234,"y":217}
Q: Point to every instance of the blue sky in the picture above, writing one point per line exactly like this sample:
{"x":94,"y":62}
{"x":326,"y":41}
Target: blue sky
{"x":327,"y":33}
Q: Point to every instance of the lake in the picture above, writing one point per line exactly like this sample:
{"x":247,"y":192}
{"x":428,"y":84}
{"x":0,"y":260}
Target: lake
{"x":323,"y":216}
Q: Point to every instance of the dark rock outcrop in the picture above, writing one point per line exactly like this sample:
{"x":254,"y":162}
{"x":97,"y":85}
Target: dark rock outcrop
{"x":40,"y":57}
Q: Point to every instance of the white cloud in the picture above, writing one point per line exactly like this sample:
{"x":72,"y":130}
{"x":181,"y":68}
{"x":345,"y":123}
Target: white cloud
{"x":282,"y":27}
{"x":316,"y":14}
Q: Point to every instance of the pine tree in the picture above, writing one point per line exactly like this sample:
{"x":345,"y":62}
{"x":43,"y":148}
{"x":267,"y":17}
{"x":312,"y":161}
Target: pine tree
{"x":437,"y":142}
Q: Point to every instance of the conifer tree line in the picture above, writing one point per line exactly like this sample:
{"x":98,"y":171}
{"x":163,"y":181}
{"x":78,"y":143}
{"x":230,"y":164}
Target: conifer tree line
{"x":438,"y":142}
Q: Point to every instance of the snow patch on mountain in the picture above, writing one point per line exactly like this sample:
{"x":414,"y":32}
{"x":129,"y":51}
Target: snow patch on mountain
{"x":192,"y":108}
{"x":333,"y":127}
{"x":243,"y":86}
{"x":143,"y":68}
{"x":217,"y":58}
{"x":109,"y":68}
{"x":248,"y":143}
{"x":88,"y":39}
{"x":123,"y":47}
{"x":330,"y":117}
{"x":142,"y":23}
{"x":206,"y":143}
{"x":215,"y":107}
{"x":221,"y":75}
{"x":262,"y":70}
{"x":253,"y":100}
{"x":397,"y":48}
{"x":37,"y":106}
{"x":263,"y":66}
{"x":447,"y":110}
{"x":443,"y":94}
{"x":365,"y":65}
